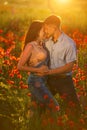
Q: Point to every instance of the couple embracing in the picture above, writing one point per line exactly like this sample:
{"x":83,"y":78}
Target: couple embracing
{"x":49,"y":55}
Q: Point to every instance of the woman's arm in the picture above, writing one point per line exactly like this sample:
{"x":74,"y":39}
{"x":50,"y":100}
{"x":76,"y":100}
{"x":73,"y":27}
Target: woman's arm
{"x":22,"y":64}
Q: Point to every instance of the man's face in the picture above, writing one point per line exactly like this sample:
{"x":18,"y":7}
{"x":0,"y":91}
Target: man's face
{"x":49,"y":30}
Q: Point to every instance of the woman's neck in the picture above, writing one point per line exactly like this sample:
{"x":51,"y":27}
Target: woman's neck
{"x":38,"y":42}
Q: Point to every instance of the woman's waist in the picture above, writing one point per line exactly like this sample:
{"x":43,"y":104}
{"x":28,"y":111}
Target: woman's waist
{"x":37,"y":64}
{"x":33,"y":74}
{"x":34,"y":77}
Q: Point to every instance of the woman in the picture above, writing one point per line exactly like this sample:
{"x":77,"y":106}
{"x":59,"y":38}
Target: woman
{"x":34,"y":60}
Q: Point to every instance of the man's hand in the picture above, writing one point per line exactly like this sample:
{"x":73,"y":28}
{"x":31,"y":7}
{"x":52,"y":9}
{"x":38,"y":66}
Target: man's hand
{"x":43,"y":73}
{"x":61,"y":70}
{"x":43,"y":70}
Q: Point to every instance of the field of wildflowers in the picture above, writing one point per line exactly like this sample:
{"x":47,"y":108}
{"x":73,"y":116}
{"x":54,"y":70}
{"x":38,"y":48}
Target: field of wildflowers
{"x":14,"y":94}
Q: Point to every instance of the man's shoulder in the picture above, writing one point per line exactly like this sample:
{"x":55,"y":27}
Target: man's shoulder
{"x":69,"y":40}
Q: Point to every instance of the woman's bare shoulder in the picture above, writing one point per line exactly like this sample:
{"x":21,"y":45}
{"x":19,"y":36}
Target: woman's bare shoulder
{"x":29,"y":46}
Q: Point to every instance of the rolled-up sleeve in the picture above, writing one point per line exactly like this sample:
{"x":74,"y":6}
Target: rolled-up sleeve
{"x":71,"y":53}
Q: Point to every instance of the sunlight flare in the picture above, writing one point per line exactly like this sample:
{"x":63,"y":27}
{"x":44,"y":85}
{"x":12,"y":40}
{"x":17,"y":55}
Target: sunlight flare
{"x":63,"y":1}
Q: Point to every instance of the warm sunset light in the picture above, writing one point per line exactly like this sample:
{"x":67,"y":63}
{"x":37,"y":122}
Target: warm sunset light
{"x":63,"y":1}
{"x":43,"y":70}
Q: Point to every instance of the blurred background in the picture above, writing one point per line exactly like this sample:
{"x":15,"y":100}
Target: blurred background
{"x":15,"y":101}
{"x":21,"y":12}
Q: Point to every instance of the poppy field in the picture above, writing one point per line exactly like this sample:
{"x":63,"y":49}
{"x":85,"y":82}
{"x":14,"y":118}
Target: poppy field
{"x":15,"y":98}
{"x":14,"y":93}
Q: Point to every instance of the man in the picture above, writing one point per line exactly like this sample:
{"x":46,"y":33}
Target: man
{"x":62,"y":51}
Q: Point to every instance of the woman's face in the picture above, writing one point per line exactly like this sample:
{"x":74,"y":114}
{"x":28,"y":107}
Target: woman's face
{"x":41,"y":34}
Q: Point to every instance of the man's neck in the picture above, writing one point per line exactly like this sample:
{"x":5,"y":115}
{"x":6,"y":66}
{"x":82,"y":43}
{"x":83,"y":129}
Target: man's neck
{"x":56,"y":35}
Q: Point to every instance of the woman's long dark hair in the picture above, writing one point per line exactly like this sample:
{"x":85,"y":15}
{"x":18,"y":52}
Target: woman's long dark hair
{"x":33,"y":32}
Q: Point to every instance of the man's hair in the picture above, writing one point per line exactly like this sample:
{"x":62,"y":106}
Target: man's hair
{"x":53,"y":19}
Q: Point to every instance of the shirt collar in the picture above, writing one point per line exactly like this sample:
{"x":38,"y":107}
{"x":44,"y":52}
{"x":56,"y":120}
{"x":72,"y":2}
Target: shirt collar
{"x":60,"y":38}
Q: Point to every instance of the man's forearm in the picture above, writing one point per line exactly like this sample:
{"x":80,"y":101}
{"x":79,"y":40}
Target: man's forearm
{"x":61,"y":70}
